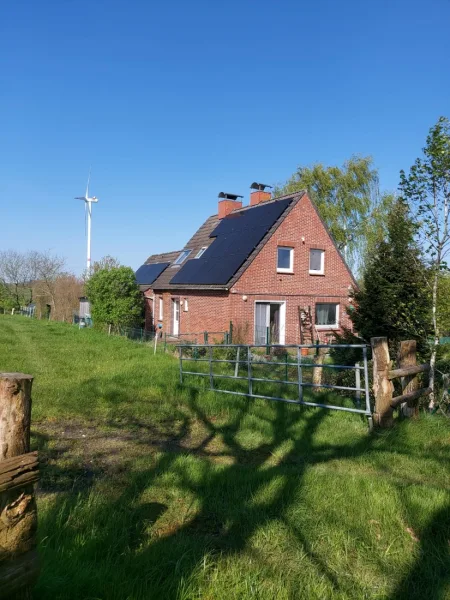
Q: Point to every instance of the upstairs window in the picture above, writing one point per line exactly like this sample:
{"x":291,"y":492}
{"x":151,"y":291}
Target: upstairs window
{"x":327,"y":315}
{"x":285,"y":260}
{"x":316,"y":261}
{"x":200,"y":252}
{"x":182,"y":257}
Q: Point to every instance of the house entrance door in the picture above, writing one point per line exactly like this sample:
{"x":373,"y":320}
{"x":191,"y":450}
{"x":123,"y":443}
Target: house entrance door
{"x":176,"y":316}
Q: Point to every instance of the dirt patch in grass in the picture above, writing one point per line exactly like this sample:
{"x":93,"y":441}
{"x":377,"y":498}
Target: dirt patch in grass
{"x":73,"y":454}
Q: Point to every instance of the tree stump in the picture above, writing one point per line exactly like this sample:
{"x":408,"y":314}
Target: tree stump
{"x":18,"y":513}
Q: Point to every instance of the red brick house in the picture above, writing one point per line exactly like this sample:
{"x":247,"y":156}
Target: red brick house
{"x":269,"y":266}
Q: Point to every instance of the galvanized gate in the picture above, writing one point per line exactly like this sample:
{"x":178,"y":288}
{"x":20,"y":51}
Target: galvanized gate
{"x":248,"y":356}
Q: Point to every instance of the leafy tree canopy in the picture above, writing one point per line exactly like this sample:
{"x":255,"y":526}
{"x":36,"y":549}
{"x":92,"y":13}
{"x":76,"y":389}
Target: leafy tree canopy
{"x":115,"y":297}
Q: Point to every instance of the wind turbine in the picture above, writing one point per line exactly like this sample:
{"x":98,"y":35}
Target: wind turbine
{"x":88,"y":211}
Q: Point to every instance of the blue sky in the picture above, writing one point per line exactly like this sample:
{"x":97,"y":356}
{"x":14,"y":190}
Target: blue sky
{"x":173,"y":102}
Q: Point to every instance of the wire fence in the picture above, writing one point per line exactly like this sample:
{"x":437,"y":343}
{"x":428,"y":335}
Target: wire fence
{"x":137,"y":334}
{"x":205,"y":337}
{"x":165,"y":340}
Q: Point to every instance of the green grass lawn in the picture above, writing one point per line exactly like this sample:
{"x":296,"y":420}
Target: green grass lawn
{"x":153,"y":491}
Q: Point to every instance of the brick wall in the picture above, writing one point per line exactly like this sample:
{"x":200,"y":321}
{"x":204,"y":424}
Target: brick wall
{"x":206,"y":310}
{"x":212,"y":310}
{"x":262,"y":282}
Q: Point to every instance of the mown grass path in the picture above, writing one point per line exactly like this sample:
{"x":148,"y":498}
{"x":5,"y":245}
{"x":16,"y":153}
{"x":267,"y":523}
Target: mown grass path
{"x":153,"y":491}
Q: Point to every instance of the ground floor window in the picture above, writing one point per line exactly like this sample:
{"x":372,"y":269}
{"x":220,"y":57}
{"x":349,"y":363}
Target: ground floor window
{"x":327,"y":315}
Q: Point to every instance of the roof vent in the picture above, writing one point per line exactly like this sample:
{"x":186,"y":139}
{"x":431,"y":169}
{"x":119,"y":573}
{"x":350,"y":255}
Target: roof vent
{"x":259,"y":186}
{"x":227,"y":196}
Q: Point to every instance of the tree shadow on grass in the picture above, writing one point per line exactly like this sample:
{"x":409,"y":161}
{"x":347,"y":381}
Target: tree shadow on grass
{"x":430,"y":574}
{"x":231,"y":506}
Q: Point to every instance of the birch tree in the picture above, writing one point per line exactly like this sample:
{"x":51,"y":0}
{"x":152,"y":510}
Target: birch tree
{"x":427,"y":189}
{"x":349,"y":200}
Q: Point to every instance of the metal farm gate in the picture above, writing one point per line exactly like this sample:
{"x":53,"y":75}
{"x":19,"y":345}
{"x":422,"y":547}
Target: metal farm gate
{"x":270,"y":366}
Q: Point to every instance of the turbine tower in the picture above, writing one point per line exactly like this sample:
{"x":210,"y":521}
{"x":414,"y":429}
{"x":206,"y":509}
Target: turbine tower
{"x":88,"y":212}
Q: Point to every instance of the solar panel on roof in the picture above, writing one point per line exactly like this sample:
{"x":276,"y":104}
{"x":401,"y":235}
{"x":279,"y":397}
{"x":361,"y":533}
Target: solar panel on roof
{"x":236,"y":236}
{"x":147,"y":274}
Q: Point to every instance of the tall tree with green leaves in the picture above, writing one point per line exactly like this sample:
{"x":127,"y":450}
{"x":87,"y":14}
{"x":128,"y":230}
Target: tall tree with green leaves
{"x":394,"y":299}
{"x":115,"y":297}
{"x":427,"y":190}
{"x":349,"y":201}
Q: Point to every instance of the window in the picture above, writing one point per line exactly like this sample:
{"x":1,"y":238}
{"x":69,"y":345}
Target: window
{"x":161,"y":308}
{"x":327,"y":315}
{"x":200,"y":252}
{"x":182,"y":257}
{"x":316,"y":261}
{"x":285,"y":260}
{"x":185,"y":305}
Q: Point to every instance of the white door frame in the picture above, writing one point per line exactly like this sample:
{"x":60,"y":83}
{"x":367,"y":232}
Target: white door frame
{"x":282,"y":318}
{"x":176,"y":312}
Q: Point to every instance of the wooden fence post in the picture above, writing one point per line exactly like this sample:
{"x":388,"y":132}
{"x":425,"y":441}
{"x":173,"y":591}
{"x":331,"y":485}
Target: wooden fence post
{"x":407,"y":357}
{"x":18,"y":514}
{"x":382,"y":387}
{"x":317,"y":371}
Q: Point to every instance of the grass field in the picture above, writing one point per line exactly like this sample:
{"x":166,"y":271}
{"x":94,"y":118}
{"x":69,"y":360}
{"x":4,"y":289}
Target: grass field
{"x":152,"y":491}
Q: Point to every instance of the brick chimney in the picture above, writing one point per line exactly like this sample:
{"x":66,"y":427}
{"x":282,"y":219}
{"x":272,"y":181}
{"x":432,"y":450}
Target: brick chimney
{"x":228,"y":203}
{"x":259,"y":193}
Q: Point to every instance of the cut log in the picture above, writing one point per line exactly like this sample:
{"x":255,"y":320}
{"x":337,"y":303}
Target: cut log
{"x":410,"y":396}
{"x":407,"y":371}
{"x":18,"y":471}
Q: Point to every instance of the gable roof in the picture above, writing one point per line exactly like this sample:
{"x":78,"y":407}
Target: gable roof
{"x":221,"y":235}
{"x":203,"y":238}
{"x":234,"y":239}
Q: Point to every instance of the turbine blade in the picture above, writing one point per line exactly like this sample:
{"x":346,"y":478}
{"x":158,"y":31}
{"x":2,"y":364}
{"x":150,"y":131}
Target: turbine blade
{"x":87,"y":186}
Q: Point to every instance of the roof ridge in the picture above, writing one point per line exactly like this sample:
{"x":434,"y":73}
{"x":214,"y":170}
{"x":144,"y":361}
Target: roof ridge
{"x":271,"y":201}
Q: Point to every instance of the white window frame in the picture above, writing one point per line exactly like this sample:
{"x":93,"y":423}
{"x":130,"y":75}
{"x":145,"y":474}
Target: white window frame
{"x":182,"y":256}
{"x":290,"y":269}
{"x":336,"y":325}
{"x":161,"y":309}
{"x":282,"y":304}
{"x":201,"y":251}
{"x":321,"y":271}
